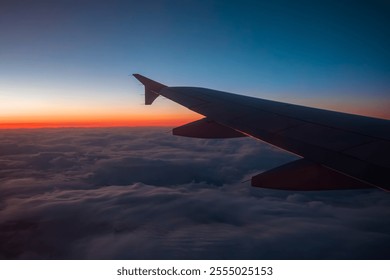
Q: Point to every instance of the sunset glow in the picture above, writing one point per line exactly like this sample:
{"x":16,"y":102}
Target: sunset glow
{"x":70,"y":64}
{"x":107,"y":118}
{"x":146,"y":118}
{"x":95,"y":122}
{"x":162,"y":113}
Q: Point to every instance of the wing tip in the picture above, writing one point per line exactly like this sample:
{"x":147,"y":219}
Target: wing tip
{"x":137,"y":76}
{"x":152,"y":88}
{"x":149,"y":83}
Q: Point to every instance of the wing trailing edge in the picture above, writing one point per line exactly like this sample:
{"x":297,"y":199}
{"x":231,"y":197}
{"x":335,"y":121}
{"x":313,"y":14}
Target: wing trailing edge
{"x":206,"y":128}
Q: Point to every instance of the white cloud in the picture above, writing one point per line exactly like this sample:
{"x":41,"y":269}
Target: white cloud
{"x":144,"y":194}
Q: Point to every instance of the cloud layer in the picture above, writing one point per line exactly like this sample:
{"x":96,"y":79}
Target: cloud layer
{"x":140,"y":193}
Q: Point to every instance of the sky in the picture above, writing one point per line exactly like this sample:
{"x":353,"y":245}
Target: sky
{"x":67,"y":63}
{"x":141,"y":193}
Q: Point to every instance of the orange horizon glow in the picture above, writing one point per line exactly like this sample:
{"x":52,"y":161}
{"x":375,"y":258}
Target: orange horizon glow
{"x":159,"y":116}
{"x":166,"y":120}
{"x":94,"y":123}
{"x":97,"y":117}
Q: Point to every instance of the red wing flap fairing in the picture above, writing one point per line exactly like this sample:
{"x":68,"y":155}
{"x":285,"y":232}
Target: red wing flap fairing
{"x":303,"y":175}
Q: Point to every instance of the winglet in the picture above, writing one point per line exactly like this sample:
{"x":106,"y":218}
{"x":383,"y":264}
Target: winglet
{"x":152,"y":88}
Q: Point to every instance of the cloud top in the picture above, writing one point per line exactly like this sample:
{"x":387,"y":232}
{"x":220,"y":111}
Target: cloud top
{"x":140,"y":193}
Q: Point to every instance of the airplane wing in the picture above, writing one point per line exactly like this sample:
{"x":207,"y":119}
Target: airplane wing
{"x":338,"y":150}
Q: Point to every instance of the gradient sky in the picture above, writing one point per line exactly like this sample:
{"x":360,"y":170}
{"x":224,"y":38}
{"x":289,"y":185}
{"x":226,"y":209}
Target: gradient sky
{"x":67,"y":62}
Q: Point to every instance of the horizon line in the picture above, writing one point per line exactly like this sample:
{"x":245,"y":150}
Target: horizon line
{"x":97,"y":124}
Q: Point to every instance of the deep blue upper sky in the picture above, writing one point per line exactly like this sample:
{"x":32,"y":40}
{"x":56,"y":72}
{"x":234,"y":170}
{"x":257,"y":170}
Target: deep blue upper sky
{"x":332,"y":54}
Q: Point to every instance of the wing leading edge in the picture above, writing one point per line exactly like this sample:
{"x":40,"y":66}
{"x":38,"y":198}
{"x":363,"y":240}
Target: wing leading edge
{"x":339,"y":150}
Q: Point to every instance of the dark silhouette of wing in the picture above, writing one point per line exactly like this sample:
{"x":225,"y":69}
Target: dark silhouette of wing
{"x":338,"y":150}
